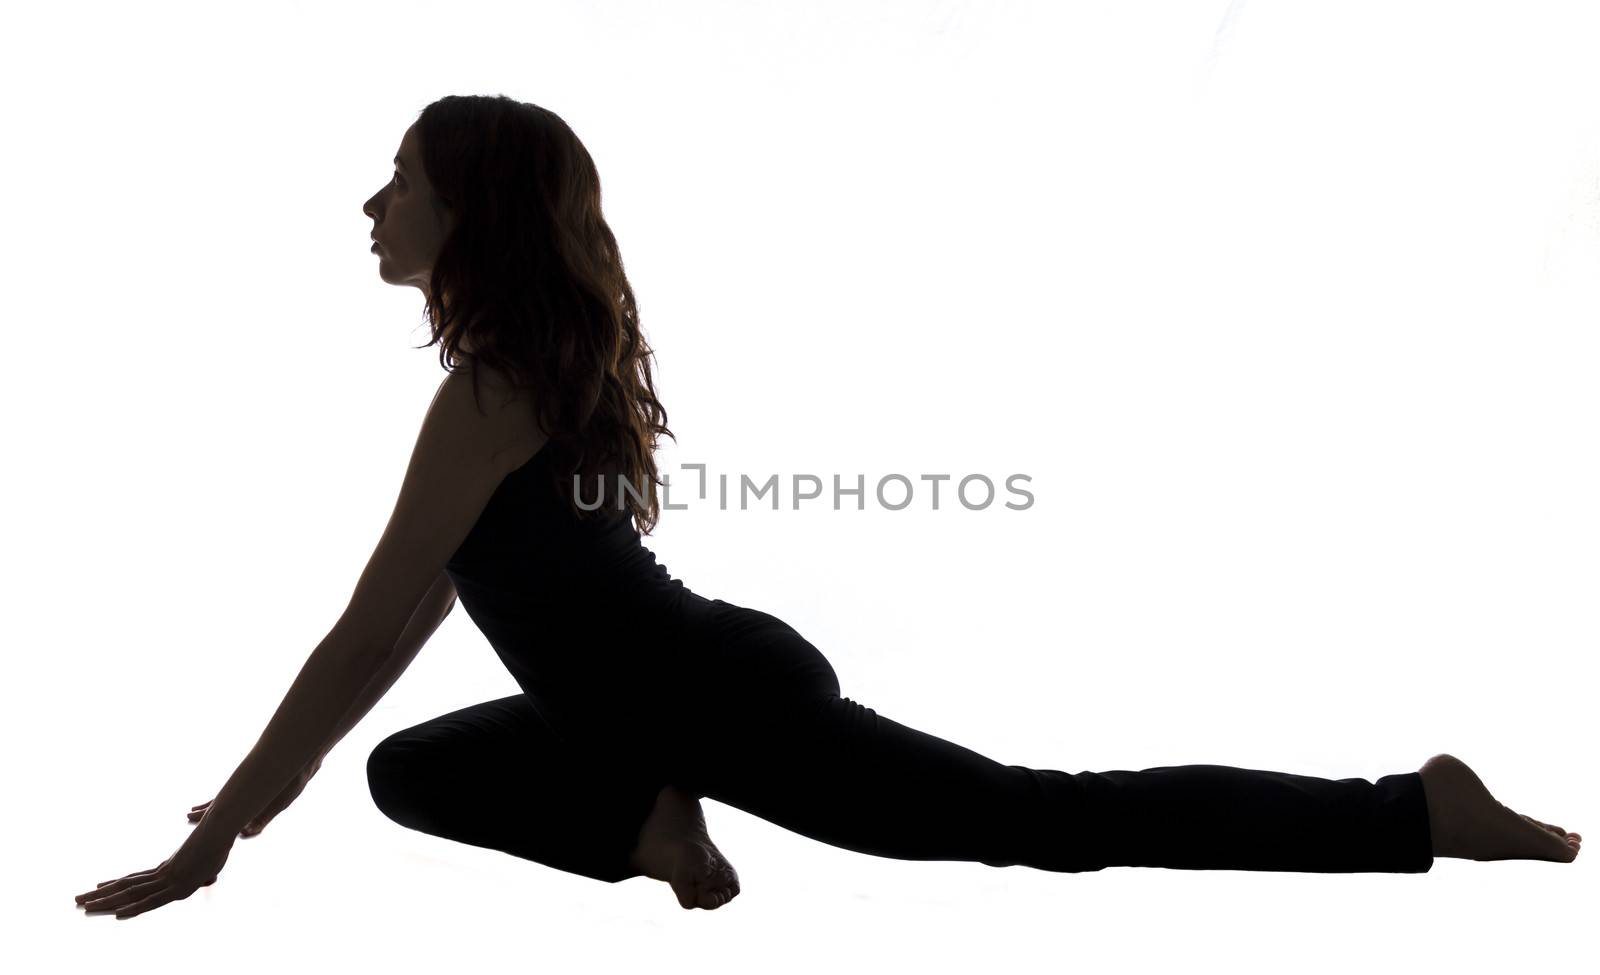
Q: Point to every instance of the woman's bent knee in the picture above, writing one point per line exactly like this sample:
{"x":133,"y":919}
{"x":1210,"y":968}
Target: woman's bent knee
{"x":389,"y":778}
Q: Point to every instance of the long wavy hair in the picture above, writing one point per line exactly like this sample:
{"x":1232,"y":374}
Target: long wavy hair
{"x":531,"y":275}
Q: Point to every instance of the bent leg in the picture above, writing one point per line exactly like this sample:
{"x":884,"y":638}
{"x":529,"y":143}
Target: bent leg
{"x":493,"y":775}
{"x":843,"y":774}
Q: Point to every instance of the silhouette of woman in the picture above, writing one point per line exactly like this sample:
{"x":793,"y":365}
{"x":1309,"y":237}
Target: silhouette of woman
{"x":494,"y":213}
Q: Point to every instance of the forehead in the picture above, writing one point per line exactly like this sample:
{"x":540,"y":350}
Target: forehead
{"x":408,"y":144}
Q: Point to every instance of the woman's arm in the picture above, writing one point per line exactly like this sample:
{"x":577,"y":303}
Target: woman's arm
{"x":326,"y":677}
{"x":462,"y":455}
{"x":330,"y":681}
{"x":435,"y":606}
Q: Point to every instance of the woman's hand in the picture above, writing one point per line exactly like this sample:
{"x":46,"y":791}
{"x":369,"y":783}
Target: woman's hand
{"x":195,"y":865}
{"x":289,"y":794}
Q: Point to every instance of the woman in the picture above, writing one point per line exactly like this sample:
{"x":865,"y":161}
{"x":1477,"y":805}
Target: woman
{"x":532,"y":468}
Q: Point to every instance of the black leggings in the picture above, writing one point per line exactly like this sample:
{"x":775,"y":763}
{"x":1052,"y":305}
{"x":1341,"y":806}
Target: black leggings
{"x":754,"y":719}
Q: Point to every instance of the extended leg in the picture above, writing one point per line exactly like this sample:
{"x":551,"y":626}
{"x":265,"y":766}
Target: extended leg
{"x":843,"y":774}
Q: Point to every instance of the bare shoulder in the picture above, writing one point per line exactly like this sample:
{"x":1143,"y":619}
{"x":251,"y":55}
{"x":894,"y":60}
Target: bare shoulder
{"x":499,"y":419}
{"x":465,"y":449}
{"x":493,"y":383}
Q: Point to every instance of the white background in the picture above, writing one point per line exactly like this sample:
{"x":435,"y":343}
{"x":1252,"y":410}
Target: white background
{"x":1287,"y":309}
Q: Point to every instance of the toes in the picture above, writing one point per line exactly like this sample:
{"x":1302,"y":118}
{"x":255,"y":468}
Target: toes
{"x":716,"y":898}
{"x":1557,"y":830}
{"x":1566,"y":847}
{"x":1553,"y":829}
{"x":705,"y":898}
{"x":1561,"y":844}
{"x":703,"y":879}
{"x":718,"y":890}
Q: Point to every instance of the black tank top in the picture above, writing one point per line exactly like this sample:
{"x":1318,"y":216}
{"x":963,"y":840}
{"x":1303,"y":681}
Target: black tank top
{"x":579,"y":610}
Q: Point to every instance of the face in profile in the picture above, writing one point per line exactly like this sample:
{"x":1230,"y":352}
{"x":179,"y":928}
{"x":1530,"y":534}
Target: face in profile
{"x":409,"y":223}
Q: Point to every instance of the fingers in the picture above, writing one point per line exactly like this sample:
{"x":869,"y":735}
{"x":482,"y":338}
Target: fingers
{"x":175,"y":878}
{"x":127,"y":895}
{"x":106,"y":887}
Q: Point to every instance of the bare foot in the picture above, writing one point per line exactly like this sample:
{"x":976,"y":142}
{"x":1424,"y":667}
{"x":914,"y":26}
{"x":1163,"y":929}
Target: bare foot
{"x":1469,"y":823}
{"x":673,"y":846}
